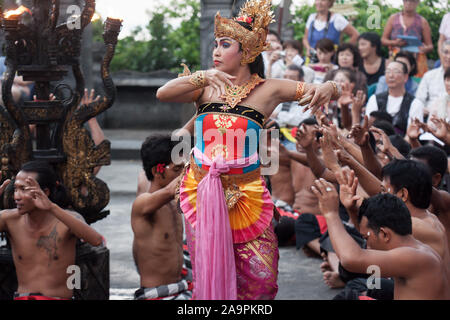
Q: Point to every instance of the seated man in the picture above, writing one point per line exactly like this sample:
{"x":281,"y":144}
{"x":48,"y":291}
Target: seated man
{"x":157,"y":226}
{"x":400,"y":104}
{"x":385,"y":222}
{"x":43,"y":236}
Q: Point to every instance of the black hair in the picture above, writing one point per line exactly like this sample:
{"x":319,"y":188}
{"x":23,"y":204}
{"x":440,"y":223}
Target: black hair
{"x":294,"y":67}
{"x":353,"y":49}
{"x":412,"y":61}
{"x":436,"y":158}
{"x":381,"y":115}
{"x":311,"y":122}
{"x":386,"y":210}
{"x":384,"y":125}
{"x":256,"y":66}
{"x":297,"y":45}
{"x":401,"y":144}
{"x":325,"y":44}
{"x":351,"y":75}
{"x":48,"y":179}
{"x":374,"y":40}
{"x":156,"y":149}
{"x":275,"y":34}
{"x":447,"y":73}
{"x":412,"y":175}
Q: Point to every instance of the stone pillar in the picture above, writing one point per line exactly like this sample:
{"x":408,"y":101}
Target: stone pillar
{"x":287,"y":32}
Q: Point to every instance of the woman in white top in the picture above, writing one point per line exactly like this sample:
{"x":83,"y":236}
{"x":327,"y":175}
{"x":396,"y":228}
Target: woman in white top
{"x":325,"y":24}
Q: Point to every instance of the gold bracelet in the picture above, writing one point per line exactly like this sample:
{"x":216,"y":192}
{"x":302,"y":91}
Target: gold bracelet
{"x":300,"y":90}
{"x":198,"y":79}
{"x":336,"y":90}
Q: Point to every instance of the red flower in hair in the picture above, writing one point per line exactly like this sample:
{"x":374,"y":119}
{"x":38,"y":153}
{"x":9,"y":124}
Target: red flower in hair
{"x":248,"y":20}
{"x":160,"y":167}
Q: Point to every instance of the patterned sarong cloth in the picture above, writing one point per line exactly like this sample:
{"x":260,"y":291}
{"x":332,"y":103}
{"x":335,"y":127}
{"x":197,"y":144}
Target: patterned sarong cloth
{"x":181,"y":290}
{"x":256,"y":265}
{"x":35,"y":296}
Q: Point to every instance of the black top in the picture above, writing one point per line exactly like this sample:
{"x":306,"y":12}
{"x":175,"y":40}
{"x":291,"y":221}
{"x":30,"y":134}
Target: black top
{"x":373,"y":78}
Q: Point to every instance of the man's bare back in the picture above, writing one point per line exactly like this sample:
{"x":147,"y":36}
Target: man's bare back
{"x":421,"y":282}
{"x":157,"y":244}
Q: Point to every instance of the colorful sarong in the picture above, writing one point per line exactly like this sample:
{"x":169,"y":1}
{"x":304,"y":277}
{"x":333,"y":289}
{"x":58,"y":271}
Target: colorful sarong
{"x":256,"y":265}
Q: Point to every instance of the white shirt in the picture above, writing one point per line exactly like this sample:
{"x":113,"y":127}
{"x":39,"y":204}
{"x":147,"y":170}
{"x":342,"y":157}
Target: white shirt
{"x":340,"y":23}
{"x":431,"y":86}
{"x":440,"y":107}
{"x":393,"y":107}
{"x":292,"y":116}
{"x":278,"y":69}
{"x":444,"y":29}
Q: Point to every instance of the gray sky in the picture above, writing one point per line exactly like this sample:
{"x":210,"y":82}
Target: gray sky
{"x":134,"y":12}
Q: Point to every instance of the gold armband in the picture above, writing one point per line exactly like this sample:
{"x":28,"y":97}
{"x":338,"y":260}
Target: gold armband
{"x":198,"y":79}
{"x":336,"y":90}
{"x":299,"y":91}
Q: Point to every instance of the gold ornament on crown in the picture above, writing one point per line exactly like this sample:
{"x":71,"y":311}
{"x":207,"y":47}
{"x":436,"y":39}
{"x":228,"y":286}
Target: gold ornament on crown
{"x":258,"y":14}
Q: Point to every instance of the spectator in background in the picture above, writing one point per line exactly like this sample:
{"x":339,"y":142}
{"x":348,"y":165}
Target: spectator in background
{"x":432,"y":84}
{"x":373,"y":64}
{"x":401,"y":105}
{"x":347,"y":56}
{"x":408,"y":23}
{"x":440,"y":107}
{"x":291,"y":54}
{"x":289,"y":114}
{"x":325,"y":24}
{"x":273,"y":38}
{"x":411,"y":85}
{"x":444,"y":32}
{"x":325,"y":52}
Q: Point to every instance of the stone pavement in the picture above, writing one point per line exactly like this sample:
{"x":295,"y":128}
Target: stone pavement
{"x":299,"y":276}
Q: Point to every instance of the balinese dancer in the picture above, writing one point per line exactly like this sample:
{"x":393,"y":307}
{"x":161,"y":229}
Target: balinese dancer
{"x":227,"y":206}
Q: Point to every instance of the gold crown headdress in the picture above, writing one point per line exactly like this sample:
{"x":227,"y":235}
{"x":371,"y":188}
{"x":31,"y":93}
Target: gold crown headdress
{"x":258,"y":14}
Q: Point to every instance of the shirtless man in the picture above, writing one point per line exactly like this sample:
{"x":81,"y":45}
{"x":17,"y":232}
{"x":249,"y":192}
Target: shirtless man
{"x":43,"y":236}
{"x":436,"y":160}
{"x":157,"y":227}
{"x":384,"y":221}
{"x":310,"y":224}
{"x":416,"y":191}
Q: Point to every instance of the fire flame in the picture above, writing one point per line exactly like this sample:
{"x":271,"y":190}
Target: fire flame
{"x":15,"y":13}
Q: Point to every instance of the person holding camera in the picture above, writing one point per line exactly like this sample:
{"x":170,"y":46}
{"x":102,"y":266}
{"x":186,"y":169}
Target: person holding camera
{"x":291,"y":55}
{"x":325,"y":24}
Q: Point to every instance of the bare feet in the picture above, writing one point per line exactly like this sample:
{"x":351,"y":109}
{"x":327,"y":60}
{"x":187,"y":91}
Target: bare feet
{"x":330,"y":277}
{"x":333,"y":280}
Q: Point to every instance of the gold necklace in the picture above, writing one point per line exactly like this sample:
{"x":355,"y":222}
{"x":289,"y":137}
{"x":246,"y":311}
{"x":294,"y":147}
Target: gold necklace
{"x":235,"y":94}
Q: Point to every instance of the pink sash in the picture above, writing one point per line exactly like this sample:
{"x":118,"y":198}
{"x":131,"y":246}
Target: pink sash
{"x":215,"y":268}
